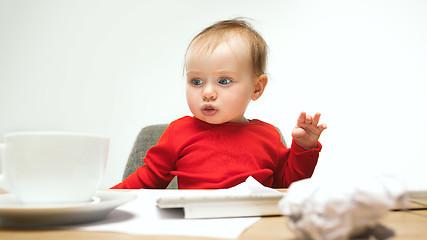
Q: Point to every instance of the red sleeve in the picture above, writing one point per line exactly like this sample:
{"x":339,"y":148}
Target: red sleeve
{"x":159,"y":161}
{"x":297,"y":163}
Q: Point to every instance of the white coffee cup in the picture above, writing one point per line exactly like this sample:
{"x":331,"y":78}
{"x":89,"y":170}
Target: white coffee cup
{"x":52,"y":167}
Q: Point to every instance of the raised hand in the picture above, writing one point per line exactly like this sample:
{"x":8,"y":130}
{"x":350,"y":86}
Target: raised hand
{"x":308,"y":130}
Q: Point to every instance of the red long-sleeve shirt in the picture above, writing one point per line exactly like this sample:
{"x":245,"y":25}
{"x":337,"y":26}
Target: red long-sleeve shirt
{"x":213,"y":156}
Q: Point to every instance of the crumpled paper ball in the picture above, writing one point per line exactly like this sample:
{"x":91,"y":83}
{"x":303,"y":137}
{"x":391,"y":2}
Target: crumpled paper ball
{"x":339,"y":209}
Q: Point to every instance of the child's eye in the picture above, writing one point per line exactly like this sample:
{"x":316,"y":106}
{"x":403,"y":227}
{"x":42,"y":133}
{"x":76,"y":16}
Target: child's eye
{"x":224,"y":81}
{"x":197,"y":82}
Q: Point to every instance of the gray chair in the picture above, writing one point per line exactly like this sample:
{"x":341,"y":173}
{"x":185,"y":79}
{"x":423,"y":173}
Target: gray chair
{"x":148,"y":137}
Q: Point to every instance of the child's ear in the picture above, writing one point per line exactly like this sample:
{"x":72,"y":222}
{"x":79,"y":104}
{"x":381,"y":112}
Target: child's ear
{"x":259,"y":87}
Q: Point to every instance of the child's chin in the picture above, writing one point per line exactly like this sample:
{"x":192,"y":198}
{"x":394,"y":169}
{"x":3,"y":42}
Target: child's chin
{"x":210,"y":120}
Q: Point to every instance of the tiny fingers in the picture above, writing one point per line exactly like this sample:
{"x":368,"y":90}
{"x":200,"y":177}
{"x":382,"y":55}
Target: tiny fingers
{"x":305,"y":118}
{"x":316,"y":119}
{"x":322,"y":127}
{"x":308,"y":119}
{"x":302,"y":117}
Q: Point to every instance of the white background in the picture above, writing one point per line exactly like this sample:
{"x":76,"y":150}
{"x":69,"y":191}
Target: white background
{"x":113,"y":67}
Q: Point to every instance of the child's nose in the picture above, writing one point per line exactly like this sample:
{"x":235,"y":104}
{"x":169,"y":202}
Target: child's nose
{"x":209,"y":93}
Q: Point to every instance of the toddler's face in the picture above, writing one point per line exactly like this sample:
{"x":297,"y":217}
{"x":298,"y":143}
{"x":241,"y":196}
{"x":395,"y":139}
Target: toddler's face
{"x":220,"y":84}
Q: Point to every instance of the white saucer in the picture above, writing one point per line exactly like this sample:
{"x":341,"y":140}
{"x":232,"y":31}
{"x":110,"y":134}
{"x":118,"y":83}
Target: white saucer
{"x":13,"y":213}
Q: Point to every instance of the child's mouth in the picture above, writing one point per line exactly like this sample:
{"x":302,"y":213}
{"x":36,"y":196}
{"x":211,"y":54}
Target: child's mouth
{"x":209,"y":110}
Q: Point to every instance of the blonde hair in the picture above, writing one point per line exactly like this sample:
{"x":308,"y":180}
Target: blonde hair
{"x":219,"y":32}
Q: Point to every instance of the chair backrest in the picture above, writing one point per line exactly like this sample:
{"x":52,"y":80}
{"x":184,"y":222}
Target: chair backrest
{"x":148,"y":137}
